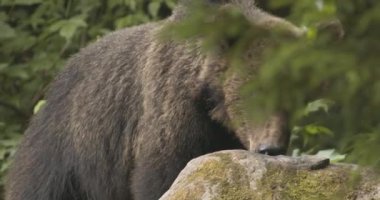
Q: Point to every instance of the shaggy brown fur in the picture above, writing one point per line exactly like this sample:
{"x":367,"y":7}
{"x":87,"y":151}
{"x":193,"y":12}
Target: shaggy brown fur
{"x":129,"y":112}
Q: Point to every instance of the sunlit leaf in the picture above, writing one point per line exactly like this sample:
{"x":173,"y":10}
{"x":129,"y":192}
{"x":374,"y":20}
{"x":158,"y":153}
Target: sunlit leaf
{"x":320,"y":104}
{"x":38,"y":106}
{"x":332,"y":155}
{"x":316,"y":130}
{"x":70,"y":26}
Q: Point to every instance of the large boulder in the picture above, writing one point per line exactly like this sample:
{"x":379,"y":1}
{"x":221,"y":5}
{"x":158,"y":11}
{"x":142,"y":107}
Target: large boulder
{"x":242,"y":175}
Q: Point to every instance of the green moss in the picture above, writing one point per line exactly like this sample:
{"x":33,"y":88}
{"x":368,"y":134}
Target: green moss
{"x":303,"y":185}
{"x":230,"y":178}
{"x":236,"y":186}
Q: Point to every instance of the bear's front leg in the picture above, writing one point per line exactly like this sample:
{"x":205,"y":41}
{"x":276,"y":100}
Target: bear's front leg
{"x":153,"y":174}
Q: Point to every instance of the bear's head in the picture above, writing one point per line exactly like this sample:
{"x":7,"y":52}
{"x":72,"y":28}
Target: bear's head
{"x":219,"y":87}
{"x":219,"y":90}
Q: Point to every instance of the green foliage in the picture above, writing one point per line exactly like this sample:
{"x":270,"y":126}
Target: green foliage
{"x":330,"y":86}
{"x":344,"y":72}
{"x":37,"y":36}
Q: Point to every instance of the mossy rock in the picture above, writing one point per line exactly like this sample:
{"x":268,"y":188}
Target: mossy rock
{"x":242,"y":175}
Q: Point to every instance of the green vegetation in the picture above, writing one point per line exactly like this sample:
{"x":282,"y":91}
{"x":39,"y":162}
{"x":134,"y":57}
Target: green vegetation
{"x":37,"y":36}
{"x":332,"y":87}
{"x":329,"y":84}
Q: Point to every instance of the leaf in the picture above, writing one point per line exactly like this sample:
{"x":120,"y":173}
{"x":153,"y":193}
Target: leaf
{"x":170,"y":3}
{"x":114,"y":3}
{"x":18,"y":72}
{"x":67,"y":31}
{"x":69,"y":27}
{"x":10,"y":142}
{"x":316,"y":105}
{"x":131,"y":20}
{"x":132,"y":4}
{"x":44,"y":61}
{"x":313,"y":129}
{"x":332,"y":155}
{"x":3,"y":16}
{"x":6,"y":31}
{"x":5,"y":167}
{"x":21,"y":42}
{"x":56,"y":26}
{"x":20,"y":2}
{"x":296,"y":152}
{"x":154,"y":8}
{"x":39,"y":106}
{"x":3,"y":66}
{"x":3,"y":153}
{"x":27,"y":2}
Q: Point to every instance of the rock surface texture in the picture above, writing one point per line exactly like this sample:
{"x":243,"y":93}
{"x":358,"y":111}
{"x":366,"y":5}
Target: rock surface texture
{"x":242,"y":175}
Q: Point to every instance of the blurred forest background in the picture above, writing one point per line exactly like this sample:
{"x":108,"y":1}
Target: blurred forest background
{"x":332,"y":87}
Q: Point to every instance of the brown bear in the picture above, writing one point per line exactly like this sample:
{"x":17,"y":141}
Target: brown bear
{"x":129,"y":111}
